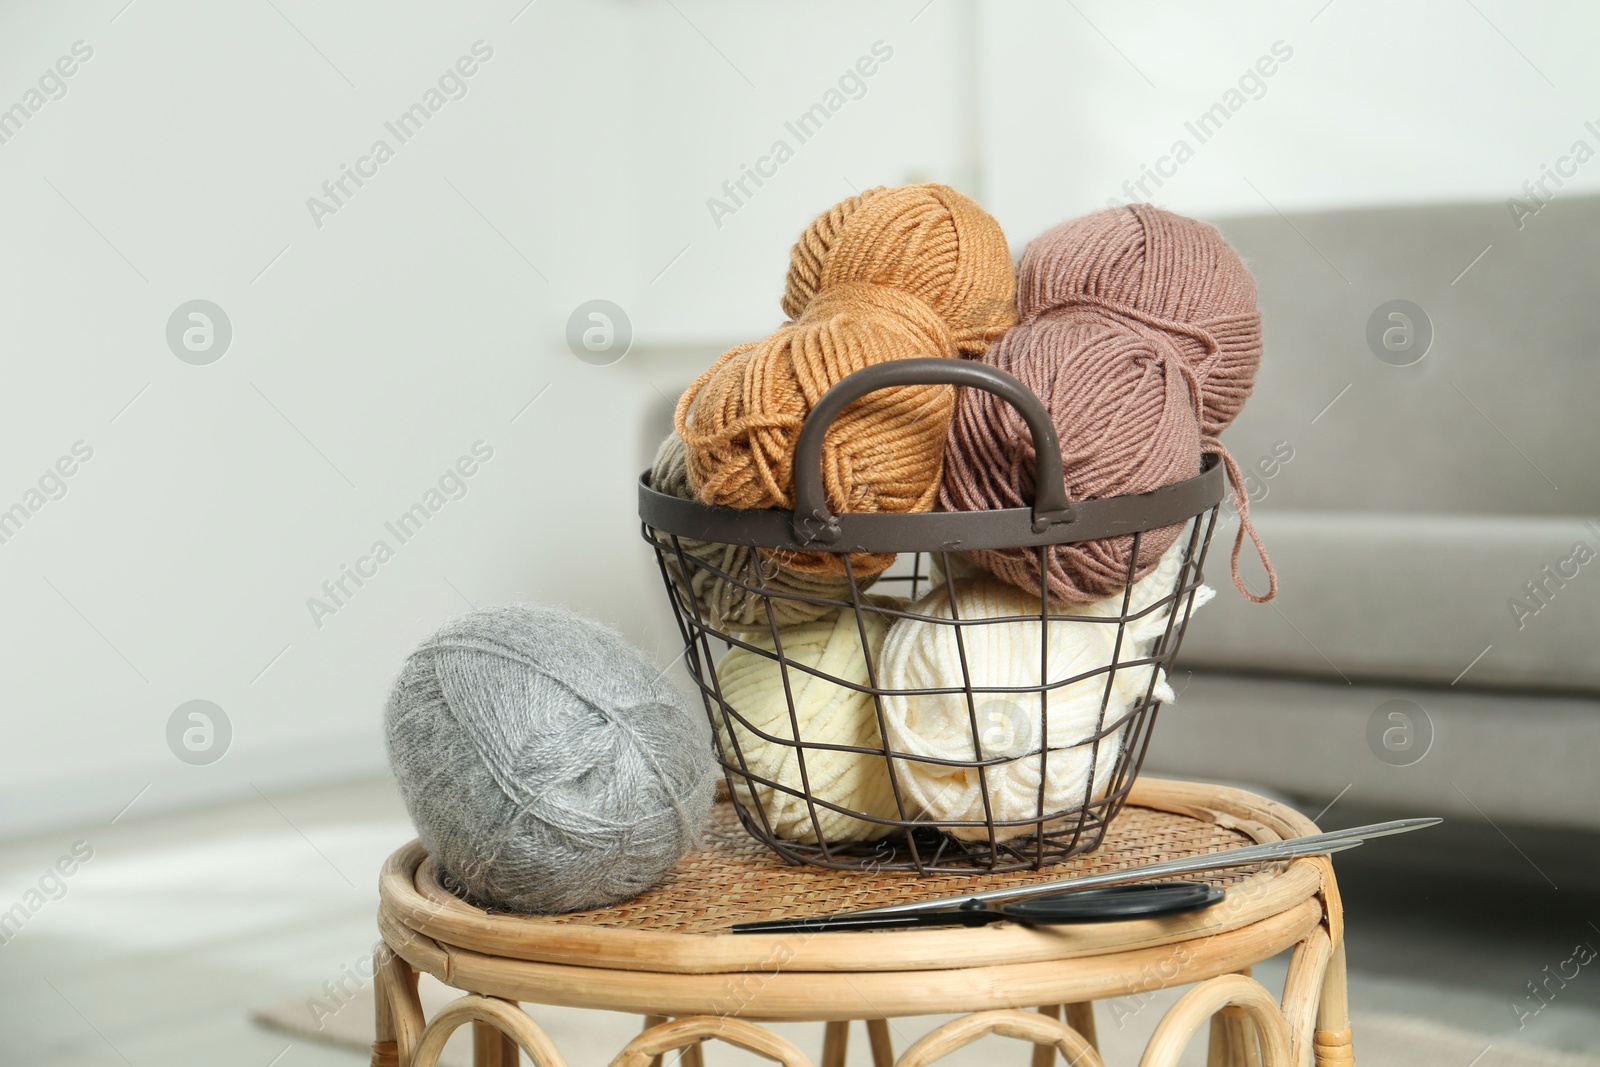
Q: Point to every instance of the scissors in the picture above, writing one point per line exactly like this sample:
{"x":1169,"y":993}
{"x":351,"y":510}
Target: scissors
{"x":1124,"y":894}
{"x":1074,"y":906}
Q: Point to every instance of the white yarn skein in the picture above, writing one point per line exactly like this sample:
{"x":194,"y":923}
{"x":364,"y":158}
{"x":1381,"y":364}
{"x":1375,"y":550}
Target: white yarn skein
{"x":960,"y":567}
{"x":1147,"y":592}
{"x":752,"y":684}
{"x":925,"y":655}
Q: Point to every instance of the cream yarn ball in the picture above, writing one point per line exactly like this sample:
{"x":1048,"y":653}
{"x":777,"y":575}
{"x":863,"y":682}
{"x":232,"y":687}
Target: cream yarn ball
{"x":1147,"y":592}
{"x":828,"y":713}
{"x":924,"y":655}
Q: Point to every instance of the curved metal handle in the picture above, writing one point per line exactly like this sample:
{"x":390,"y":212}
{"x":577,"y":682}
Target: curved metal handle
{"x":814,"y":523}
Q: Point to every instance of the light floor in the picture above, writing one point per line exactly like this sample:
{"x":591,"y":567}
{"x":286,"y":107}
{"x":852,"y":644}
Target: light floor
{"x":183,"y":923}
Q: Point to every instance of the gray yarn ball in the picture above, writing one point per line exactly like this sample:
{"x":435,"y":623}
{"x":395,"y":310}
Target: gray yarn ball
{"x":546,"y":763}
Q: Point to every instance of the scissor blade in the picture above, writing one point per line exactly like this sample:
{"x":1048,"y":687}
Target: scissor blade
{"x":861,"y":920}
{"x":1315,"y":844}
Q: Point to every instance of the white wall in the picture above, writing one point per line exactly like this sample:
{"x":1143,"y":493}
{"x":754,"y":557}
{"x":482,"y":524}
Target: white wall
{"x":378,"y":347}
{"x":1378,"y":103}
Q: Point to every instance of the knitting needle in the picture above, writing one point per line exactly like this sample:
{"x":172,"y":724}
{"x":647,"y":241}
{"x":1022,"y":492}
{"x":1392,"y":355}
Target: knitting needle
{"x":1289,"y":848}
{"x":1234,"y":857}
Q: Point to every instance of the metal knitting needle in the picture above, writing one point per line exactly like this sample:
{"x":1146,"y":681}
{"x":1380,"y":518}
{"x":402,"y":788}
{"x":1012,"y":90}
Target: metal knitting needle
{"x":1316,"y":844}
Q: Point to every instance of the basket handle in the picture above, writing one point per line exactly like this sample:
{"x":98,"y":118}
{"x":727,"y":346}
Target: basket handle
{"x":813,"y":522}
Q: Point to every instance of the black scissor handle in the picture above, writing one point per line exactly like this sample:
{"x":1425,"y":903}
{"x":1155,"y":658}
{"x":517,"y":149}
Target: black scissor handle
{"x":1140,"y":901}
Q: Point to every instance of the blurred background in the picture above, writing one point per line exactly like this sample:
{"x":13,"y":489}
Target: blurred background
{"x":243,"y":341}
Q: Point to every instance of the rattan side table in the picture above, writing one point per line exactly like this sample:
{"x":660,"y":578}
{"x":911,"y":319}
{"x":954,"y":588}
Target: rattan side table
{"x":666,"y":956}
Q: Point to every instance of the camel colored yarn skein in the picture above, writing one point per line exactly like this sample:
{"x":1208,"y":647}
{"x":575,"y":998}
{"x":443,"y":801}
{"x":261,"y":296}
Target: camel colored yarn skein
{"x":827,"y":713}
{"x":810,"y":252}
{"x":1140,"y":335}
{"x":912,"y":271}
{"x":928,"y":238}
{"x":547,"y":764}
{"x":726,"y":605}
{"x":925,"y":655}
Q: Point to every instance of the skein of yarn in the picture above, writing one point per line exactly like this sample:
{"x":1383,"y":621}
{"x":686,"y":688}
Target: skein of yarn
{"x":827,"y":713}
{"x":1145,"y":626}
{"x":1168,"y":277}
{"x":727,"y":605}
{"x":896,"y":273}
{"x":1005,"y":654}
{"x":1125,"y":414}
{"x":927,"y":239}
{"x":1140,"y":334}
{"x":546,"y":763}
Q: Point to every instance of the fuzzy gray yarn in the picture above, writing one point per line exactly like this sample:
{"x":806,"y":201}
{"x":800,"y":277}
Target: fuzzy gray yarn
{"x":546,"y":763}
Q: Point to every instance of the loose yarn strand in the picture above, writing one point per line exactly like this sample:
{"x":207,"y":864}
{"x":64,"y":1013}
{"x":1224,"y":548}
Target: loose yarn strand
{"x":1242,"y":503}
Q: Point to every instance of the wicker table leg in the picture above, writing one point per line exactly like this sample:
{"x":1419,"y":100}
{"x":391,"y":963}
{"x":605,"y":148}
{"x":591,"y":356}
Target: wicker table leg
{"x":1081,"y":1018}
{"x":496,"y":1015}
{"x":385,"y":1049}
{"x":398,"y":1021}
{"x":1233,"y":1038}
{"x":1332,"y":1042}
{"x":1078,"y":1016}
{"x":1024,"y":1026}
{"x":688,"y":1032}
{"x":1045,"y":1055}
{"x":688,"y":1056}
{"x":882,"y":1045}
{"x":649,"y":1021}
{"x":1303,"y":992}
{"x":1206,"y":999}
{"x":491,"y":1048}
{"x":835,"y":1043}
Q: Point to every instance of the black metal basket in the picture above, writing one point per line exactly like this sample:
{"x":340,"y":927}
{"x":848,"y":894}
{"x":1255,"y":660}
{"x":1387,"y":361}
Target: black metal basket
{"x":903,"y":833}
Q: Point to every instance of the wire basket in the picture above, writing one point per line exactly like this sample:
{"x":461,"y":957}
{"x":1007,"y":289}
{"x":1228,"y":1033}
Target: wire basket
{"x":903,"y":832}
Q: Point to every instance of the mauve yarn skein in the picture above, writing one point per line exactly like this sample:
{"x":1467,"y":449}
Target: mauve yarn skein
{"x":1139,"y":333}
{"x":913,"y":271}
{"x":726,"y":605}
{"x":1163,"y":275}
{"x":547,"y":764}
{"x":1125,"y":414}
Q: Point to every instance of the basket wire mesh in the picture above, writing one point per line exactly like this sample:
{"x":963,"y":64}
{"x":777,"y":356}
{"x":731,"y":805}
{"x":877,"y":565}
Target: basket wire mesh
{"x":910,"y":837}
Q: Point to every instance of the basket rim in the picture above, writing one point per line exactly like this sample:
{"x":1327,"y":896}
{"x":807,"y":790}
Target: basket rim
{"x":937,"y":531}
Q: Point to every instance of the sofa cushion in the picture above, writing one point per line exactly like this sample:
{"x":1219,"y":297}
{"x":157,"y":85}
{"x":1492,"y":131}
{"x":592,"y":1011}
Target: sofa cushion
{"x":1414,"y":598}
{"x":1497,"y":418}
{"x":1518,"y":757}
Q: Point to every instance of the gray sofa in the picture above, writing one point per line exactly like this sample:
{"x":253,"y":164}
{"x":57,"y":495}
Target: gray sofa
{"x":1419,"y":505}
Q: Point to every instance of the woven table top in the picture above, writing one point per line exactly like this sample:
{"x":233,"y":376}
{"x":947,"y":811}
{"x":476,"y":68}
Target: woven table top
{"x":734,"y":878}
{"x":681,"y":925}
